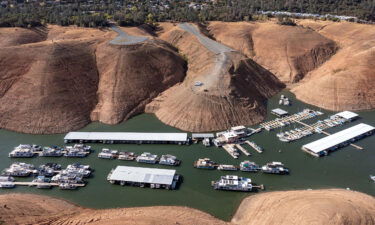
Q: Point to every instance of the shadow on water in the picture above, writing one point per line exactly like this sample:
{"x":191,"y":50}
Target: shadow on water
{"x":344,"y":168}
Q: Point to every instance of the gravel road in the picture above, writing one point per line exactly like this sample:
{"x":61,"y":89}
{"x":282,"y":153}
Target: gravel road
{"x":126,"y":39}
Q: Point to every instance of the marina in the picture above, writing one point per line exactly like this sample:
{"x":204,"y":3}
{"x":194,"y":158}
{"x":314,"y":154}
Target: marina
{"x":318,"y":127}
{"x":243,"y":150}
{"x":218,"y":203}
{"x":47,"y":176}
{"x":338,"y":140}
{"x":127,"y":138}
{"x":287,"y":120}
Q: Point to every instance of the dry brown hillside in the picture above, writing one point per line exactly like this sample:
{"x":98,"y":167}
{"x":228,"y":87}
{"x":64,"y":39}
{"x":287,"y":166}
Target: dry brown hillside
{"x":234,"y":89}
{"x":131,"y":76}
{"x":347,"y":80}
{"x":52,"y":84}
{"x":47,"y":87}
{"x":333,"y":207}
{"x":289,"y":52}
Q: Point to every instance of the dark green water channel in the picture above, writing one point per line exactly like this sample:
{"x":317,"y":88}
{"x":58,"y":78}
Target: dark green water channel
{"x":347,"y":167}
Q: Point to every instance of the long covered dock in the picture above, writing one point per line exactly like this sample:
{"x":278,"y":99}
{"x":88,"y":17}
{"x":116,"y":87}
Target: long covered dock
{"x":340,"y":139}
{"x":127,"y":138}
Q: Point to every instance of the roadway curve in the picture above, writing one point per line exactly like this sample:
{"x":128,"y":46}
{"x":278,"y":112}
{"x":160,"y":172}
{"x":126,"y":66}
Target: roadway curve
{"x":126,"y":39}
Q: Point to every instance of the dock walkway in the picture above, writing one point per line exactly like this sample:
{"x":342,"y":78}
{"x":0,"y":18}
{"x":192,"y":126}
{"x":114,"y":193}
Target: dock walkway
{"x":253,"y":146}
{"x":243,"y":150}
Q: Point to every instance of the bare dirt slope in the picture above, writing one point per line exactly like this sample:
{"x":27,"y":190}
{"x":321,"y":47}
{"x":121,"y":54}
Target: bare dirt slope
{"x":19,"y":36}
{"x":132,"y":76}
{"x":289,"y":52}
{"x":51,"y":81}
{"x":234,"y":89}
{"x":333,"y":206}
{"x":347,"y":80}
{"x":47,"y":87}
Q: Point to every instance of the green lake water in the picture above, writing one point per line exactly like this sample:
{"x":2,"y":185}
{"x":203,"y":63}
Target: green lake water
{"x":345,"y":168}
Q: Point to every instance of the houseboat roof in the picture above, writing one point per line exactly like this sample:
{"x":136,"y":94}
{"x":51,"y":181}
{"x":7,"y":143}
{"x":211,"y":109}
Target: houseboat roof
{"x":126,"y":136}
{"x":279,"y":112}
{"x":238,"y":128}
{"x":338,"y":138}
{"x":143,"y":175}
{"x":347,"y":115}
{"x":202,"y":135}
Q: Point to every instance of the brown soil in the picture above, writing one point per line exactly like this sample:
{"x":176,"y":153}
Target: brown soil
{"x":132,"y":76}
{"x":289,"y":52}
{"x":235,"y":94}
{"x":19,"y":36}
{"x":55,"y":79}
{"x":334,"y":207}
{"x":347,"y":80}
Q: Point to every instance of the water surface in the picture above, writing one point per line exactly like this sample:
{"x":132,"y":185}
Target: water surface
{"x":346,"y":168}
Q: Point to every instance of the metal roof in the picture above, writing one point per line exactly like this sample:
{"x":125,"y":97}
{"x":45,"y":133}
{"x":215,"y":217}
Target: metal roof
{"x":347,"y":115}
{"x":126,"y":136}
{"x":201,"y":135}
{"x":143,"y":175}
{"x":279,"y":111}
{"x":337,"y":138}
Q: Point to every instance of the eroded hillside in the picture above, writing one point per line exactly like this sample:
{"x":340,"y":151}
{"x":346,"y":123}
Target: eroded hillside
{"x":62,"y":79}
{"x":222,"y":88}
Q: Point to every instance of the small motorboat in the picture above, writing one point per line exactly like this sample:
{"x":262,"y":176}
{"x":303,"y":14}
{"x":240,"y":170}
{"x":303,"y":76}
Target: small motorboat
{"x":372,"y":177}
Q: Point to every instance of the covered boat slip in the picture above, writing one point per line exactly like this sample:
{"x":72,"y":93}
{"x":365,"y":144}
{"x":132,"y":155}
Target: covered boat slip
{"x":127,"y":137}
{"x":141,"y":176}
{"x":340,"y":139}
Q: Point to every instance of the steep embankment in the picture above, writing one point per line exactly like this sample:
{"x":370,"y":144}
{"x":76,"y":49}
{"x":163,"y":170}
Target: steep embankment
{"x":47,"y":87}
{"x":289,"y":52}
{"x":231,"y":89}
{"x":52,"y":80}
{"x":347,"y":80}
{"x":136,"y":72}
{"x":334,"y":207}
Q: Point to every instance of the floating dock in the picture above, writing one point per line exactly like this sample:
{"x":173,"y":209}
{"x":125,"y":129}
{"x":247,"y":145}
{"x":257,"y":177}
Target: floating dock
{"x":231,"y":150}
{"x":243,"y":150}
{"x":317,"y":127}
{"x":127,"y":138}
{"x":51,"y":184}
{"x":254,"y":146}
{"x":287,"y":120}
{"x":340,"y":139}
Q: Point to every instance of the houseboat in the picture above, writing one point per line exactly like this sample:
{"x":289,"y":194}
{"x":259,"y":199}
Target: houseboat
{"x":275,"y":168}
{"x":147,"y":157}
{"x":233,"y":183}
{"x":108,"y":154}
{"x":129,"y":156}
{"x":169,"y":160}
{"x":51,"y":152}
{"x":23,"y":151}
{"x":227,"y":167}
{"x":205,"y":163}
{"x":248,"y":166}
{"x":7,"y":184}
